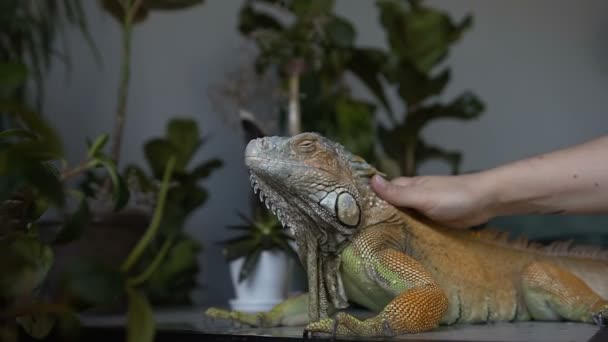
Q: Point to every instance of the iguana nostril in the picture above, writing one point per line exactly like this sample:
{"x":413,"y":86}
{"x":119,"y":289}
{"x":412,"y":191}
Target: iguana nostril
{"x":264,"y":144}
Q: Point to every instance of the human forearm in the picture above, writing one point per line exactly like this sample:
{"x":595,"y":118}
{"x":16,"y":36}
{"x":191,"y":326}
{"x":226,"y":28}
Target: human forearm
{"x":573,"y":180}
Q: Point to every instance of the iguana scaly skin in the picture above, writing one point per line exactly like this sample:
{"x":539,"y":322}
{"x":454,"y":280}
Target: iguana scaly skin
{"x":413,"y":273}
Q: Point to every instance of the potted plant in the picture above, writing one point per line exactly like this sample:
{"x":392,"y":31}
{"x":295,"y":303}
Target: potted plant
{"x":32,"y":186}
{"x":175,"y":277}
{"x":259,"y":262}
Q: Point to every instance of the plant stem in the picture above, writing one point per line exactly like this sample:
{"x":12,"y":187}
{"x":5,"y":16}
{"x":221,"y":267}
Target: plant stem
{"x":131,"y":8}
{"x":158,"y":258}
{"x":78,"y":169}
{"x":409,"y":160}
{"x":145,"y":240}
{"x":294,"y":116}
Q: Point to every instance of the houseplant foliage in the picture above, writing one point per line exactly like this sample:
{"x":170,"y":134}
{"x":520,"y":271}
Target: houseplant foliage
{"x":311,"y":52}
{"x":30,"y":185}
{"x":264,"y":233}
{"x":28,"y":32}
{"x":419,"y":38}
{"x":128,"y":13}
{"x":307,"y":44}
{"x":174,"y":277}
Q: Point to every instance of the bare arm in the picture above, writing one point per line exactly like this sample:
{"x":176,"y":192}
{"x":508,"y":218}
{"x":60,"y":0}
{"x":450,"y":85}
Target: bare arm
{"x":572,"y":180}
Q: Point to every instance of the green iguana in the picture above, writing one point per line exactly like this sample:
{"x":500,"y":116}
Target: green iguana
{"x":412,"y":273}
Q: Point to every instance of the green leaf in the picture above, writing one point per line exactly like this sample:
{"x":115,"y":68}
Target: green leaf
{"x":17,"y":133}
{"x":184,"y":136}
{"x":355,"y":116}
{"x":97,"y":145}
{"x":25,"y":263}
{"x":204,"y":169}
{"x":251,"y":20}
{"x":141,"y":326}
{"x":49,"y":144}
{"x":93,"y":282}
{"x":467,"y":106}
{"x":426,"y":152}
{"x":120,"y":192}
{"x":75,"y":224}
{"x":366,"y":63}
{"x":38,"y":326}
{"x":341,"y":33}
{"x":171,"y":4}
{"x":251,"y":260}
{"x":415,"y":86}
{"x":158,"y":152}
{"x":239,"y":247}
{"x":421,"y":35}
{"x":12,"y":76}
{"x":311,"y":8}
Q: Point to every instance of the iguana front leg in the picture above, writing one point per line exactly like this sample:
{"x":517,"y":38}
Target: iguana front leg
{"x":418,"y":305}
{"x":291,"y":312}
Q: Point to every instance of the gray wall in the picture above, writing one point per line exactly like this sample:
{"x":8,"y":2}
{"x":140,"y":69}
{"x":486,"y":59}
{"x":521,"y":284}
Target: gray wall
{"x":541,"y":67}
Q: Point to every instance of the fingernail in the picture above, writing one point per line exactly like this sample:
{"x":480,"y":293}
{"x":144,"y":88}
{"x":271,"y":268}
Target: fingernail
{"x":380,"y":181}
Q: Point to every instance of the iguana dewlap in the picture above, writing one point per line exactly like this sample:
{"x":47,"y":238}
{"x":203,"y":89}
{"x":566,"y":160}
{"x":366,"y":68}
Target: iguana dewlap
{"x":414,"y":274}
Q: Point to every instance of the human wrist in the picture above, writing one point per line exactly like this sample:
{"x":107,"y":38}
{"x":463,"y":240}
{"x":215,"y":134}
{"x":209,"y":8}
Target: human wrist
{"x":489,"y":194}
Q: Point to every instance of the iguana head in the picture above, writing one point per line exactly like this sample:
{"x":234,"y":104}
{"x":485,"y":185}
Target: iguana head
{"x":313,"y":185}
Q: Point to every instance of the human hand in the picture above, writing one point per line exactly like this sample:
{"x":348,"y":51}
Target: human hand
{"x":455,"y":201}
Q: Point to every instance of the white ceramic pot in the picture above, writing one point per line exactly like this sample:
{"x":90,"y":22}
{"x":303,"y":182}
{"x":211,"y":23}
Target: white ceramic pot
{"x":265,"y":287}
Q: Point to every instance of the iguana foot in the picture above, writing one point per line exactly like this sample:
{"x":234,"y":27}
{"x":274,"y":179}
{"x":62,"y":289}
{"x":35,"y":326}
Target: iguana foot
{"x":600,"y":316}
{"x":252,"y":319}
{"x":347,"y":325}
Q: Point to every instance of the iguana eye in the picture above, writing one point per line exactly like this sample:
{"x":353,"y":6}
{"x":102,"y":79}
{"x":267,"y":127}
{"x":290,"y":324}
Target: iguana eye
{"x":306,"y":146}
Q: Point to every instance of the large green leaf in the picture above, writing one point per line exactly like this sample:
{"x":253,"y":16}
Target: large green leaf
{"x":426,"y":152}
{"x":25,"y":263}
{"x":49,"y":144}
{"x":341,"y":33}
{"x":158,"y":152}
{"x":141,"y":326}
{"x":204,"y":169}
{"x":419,"y":34}
{"x":414,"y":86}
{"x":311,"y":8}
{"x":43,"y":178}
{"x":356,"y":116}
{"x":93,"y":282}
{"x":184,"y":136}
{"x":251,"y":20}
{"x":366,"y":64}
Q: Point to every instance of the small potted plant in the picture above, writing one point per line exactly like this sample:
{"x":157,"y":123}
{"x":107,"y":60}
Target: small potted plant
{"x":259,"y":262}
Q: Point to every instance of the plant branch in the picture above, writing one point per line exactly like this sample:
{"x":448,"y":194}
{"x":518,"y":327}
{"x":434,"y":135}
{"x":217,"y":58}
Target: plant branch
{"x":75,"y":171}
{"x":131,"y":8}
{"x":294,"y":116}
{"x":158,"y":258}
{"x":145,"y":240}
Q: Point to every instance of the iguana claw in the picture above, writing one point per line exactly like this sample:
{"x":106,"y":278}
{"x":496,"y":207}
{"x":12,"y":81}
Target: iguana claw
{"x":601,"y":317}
